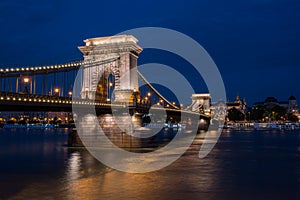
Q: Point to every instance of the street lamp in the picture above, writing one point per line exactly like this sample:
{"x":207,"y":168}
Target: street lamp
{"x":249,"y":116}
{"x":70,"y":93}
{"x":56,"y":91}
{"x":109,"y":90}
{"x":26,"y":80}
{"x":148,"y":94}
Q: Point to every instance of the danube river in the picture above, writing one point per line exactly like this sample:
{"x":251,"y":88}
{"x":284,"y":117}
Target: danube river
{"x":37,"y":164}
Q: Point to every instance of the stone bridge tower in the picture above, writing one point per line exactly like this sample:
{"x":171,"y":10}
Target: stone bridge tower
{"x":123,"y":50}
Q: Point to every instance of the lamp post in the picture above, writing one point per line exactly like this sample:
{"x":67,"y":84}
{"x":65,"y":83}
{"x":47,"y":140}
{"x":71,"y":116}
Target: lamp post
{"x":26,"y":80}
{"x":135,"y":96}
{"x":249,"y":117}
{"x":110,"y":85}
{"x":56,"y":91}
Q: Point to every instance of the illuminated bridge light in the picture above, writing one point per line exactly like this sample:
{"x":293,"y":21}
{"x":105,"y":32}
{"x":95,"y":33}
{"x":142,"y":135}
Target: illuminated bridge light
{"x":34,"y":100}
{"x":20,"y":99}
{"x":27,"y":69}
{"x":30,"y":99}
{"x":1,"y":98}
{"x":7,"y":70}
{"x":8,"y":98}
{"x":40,"y":68}
{"x":51,"y":101}
{"x":52,"y":67}
{"x":14,"y":99}
{"x":40,"y":100}
{"x":44,"y":100}
{"x":18,"y":69}
{"x":25,"y":99}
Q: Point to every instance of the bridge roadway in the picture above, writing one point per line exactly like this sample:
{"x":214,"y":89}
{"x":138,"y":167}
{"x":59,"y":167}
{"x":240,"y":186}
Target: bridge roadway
{"x":10,"y":101}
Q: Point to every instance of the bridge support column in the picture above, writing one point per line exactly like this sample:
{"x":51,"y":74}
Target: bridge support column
{"x":125,"y":50}
{"x":123,"y":96}
{"x":136,"y":119}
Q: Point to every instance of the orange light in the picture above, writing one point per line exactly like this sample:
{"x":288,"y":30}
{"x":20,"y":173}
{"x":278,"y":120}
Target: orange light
{"x":26,"y":80}
{"x":149,"y":94}
{"x":110,"y":84}
{"x":56,"y":90}
{"x":70,"y":93}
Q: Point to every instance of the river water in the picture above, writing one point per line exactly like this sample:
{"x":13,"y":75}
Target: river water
{"x":37,"y":164}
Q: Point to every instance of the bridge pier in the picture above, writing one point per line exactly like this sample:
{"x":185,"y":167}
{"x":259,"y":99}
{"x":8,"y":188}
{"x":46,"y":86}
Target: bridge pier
{"x":123,"y":96}
{"x":137,"y":120}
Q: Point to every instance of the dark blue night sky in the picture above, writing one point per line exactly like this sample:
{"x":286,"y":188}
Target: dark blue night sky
{"x":255,"y":44}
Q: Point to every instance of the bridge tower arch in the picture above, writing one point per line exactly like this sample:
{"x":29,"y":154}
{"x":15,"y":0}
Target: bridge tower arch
{"x":125,"y":50}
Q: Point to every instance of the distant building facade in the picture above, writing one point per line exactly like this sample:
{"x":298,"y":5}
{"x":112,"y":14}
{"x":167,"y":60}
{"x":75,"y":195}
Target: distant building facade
{"x":239,"y":104}
{"x":291,"y":105}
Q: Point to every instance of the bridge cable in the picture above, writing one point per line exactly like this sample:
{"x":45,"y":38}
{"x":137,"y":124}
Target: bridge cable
{"x":155,"y":91}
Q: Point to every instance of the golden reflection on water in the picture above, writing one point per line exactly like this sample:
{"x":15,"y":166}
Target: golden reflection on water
{"x":188,"y":175}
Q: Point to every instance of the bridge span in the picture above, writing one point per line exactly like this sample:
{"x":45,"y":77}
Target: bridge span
{"x":104,"y":84}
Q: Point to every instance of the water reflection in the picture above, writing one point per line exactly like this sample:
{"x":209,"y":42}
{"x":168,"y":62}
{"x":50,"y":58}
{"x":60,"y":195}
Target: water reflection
{"x":257,"y":165}
{"x":73,"y":167}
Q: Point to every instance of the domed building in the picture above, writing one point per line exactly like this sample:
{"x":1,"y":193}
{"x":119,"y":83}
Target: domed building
{"x":271,"y":102}
{"x":293,"y":105}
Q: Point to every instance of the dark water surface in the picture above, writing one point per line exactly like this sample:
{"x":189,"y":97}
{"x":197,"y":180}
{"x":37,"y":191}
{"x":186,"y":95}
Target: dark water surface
{"x":37,"y":164}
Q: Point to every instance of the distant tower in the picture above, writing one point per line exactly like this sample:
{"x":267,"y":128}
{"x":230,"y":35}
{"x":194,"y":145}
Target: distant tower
{"x":201,"y":103}
{"x":293,"y":105}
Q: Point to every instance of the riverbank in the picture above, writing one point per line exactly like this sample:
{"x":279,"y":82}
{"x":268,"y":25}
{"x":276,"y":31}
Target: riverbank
{"x":252,"y":126}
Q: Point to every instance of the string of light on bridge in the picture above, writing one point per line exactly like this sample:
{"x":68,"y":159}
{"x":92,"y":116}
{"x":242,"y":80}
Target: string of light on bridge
{"x":73,"y":65}
{"x":47,"y":69}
